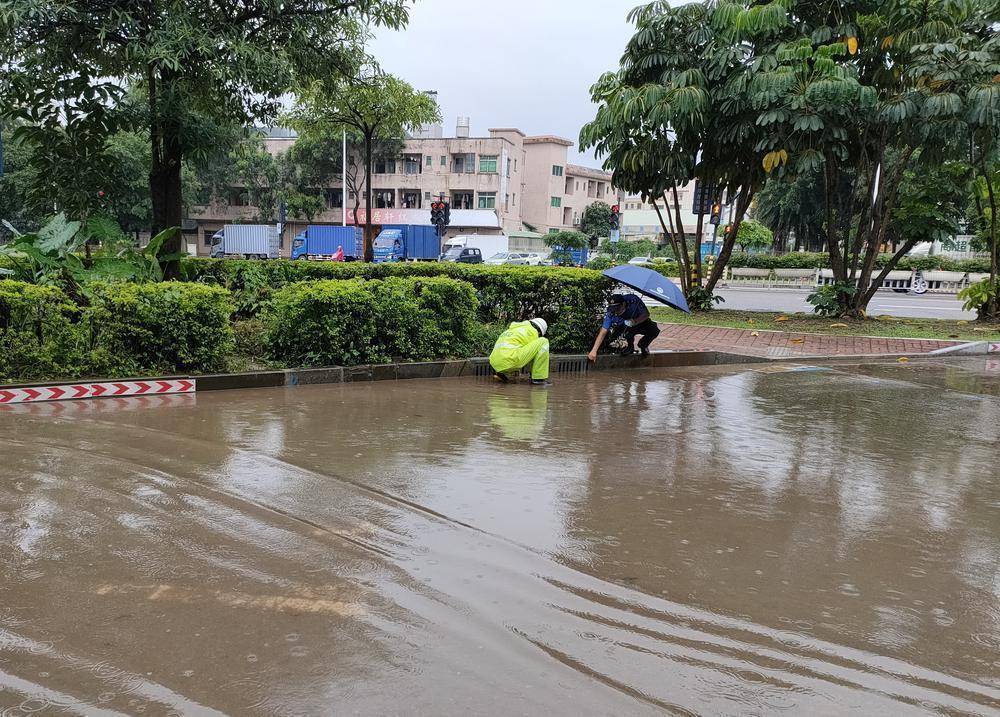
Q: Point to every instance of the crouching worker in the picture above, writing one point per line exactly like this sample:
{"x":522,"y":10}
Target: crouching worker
{"x":523,"y":343}
{"x":627,"y":314}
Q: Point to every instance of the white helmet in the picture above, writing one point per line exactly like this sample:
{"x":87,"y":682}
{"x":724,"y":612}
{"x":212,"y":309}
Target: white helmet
{"x":540,"y":325}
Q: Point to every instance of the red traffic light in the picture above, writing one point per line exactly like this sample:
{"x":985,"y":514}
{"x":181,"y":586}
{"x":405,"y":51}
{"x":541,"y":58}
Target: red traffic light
{"x":614,"y":208}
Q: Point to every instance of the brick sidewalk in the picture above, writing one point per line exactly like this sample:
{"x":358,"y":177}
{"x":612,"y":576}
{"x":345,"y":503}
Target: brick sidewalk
{"x":779,"y":344}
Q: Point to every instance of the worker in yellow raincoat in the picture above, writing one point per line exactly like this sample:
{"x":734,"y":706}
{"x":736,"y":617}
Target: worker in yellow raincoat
{"x":523,"y":343}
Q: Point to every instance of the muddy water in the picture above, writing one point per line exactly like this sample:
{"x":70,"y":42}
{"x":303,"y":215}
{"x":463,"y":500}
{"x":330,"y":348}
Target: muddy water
{"x":712,"y":541}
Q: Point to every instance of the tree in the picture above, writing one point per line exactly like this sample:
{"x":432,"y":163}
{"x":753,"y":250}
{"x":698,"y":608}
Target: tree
{"x":863,"y":97}
{"x":376,"y":106}
{"x":596,"y":221}
{"x":563,"y":243}
{"x":14,"y":206}
{"x":790,"y":206}
{"x":752,"y":235}
{"x":230,"y":61}
{"x":679,"y":109}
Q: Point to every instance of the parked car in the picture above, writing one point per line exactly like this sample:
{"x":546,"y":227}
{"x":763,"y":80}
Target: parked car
{"x":529,"y":259}
{"x":641,"y":260}
{"x":463,"y":255}
{"x":504,"y":257}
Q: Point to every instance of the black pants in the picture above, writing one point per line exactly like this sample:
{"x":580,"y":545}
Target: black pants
{"x":647,"y":329}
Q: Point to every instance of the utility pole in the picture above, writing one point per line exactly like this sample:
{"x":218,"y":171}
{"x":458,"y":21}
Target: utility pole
{"x":343,"y":183}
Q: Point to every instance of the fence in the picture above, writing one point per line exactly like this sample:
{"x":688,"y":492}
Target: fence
{"x":919,"y":282}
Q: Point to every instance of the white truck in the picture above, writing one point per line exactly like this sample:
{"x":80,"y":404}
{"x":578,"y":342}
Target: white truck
{"x":250,"y":241}
{"x":488,"y":244}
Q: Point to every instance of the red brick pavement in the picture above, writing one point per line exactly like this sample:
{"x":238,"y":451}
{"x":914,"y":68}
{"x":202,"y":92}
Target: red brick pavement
{"x":779,"y":343}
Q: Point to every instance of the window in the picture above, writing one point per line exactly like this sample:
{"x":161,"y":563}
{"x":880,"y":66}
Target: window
{"x":411,"y":164}
{"x":557,"y":171}
{"x":515,"y":165}
{"x":553,"y":231}
{"x":556,"y":202}
{"x":334,"y":198}
{"x":506,"y":202}
{"x":444,"y":161}
{"x":508,"y":166}
{"x":429,"y":161}
{"x":427,"y":196}
{"x":488,"y":164}
{"x":463,"y":163}
{"x":487,"y":200}
{"x":461,"y":200}
{"x":513,"y":199}
{"x":384,"y":199}
{"x":577,"y":185}
{"x":385,"y":166}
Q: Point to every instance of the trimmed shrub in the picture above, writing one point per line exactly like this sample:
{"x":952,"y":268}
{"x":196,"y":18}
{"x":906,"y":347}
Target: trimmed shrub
{"x":172,"y":327}
{"x":358,"y":322}
{"x":39,"y":336}
{"x":570,"y":300}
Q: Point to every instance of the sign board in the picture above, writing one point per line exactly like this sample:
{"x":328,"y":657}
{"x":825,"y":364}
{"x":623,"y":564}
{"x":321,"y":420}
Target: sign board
{"x":615,"y":235}
{"x":703,"y":199}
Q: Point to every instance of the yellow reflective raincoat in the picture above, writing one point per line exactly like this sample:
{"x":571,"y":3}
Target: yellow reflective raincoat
{"x":519,"y":346}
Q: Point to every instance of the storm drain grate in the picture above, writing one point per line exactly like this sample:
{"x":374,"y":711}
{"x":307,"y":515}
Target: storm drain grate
{"x":571,"y":366}
{"x":482,"y":369}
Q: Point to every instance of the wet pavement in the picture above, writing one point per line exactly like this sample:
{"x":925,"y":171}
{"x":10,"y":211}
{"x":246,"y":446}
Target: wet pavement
{"x":767,"y":539}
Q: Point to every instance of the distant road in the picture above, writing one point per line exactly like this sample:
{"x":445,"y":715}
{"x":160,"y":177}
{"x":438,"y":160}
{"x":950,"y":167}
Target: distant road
{"x":927,"y":306}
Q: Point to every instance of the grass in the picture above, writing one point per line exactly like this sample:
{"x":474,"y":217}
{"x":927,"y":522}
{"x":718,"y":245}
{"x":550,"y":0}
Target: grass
{"x":881,"y":327}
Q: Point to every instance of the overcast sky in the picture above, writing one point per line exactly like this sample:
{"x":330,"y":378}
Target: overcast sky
{"x":510,"y":63}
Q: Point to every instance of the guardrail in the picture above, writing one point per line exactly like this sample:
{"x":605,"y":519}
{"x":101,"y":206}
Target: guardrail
{"x":919,"y":282}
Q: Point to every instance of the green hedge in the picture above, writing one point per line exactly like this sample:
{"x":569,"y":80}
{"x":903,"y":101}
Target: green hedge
{"x":39,"y":332}
{"x":570,"y":300}
{"x":171,"y":327}
{"x":806,"y":260}
{"x":356,"y":322}
{"x":126,"y":330}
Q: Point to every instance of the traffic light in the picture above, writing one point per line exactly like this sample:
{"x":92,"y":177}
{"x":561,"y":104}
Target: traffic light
{"x":447,"y":213}
{"x":616,"y":221}
{"x":716,"y":213}
{"x":437,"y":213}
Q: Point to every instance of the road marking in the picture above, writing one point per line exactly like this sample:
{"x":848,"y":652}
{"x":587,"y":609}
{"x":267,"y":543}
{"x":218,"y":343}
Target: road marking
{"x":915,"y":306}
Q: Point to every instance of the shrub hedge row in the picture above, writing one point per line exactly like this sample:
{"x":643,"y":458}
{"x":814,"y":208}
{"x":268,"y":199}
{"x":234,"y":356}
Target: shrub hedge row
{"x":125,"y":330}
{"x":806,"y":260}
{"x":326,"y":322}
{"x":570,"y":300}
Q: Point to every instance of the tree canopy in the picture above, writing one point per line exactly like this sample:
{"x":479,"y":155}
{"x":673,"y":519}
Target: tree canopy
{"x":375,"y":107}
{"x":596,"y":221}
{"x":65,"y":67}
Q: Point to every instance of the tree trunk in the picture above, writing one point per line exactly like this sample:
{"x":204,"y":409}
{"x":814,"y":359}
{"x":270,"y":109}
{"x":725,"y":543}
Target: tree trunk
{"x":165,"y":178}
{"x":369,"y":240}
{"x":991,"y":310}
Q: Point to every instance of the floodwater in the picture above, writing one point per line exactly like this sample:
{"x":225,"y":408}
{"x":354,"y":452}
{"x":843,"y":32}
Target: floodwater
{"x":734,"y":540}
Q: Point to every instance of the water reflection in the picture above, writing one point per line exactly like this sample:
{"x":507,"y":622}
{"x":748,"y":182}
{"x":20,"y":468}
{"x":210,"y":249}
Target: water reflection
{"x":711,"y":541}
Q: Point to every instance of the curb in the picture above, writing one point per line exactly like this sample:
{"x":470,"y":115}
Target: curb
{"x":564,"y":365}
{"x":972,"y":348}
{"x":478,"y":367}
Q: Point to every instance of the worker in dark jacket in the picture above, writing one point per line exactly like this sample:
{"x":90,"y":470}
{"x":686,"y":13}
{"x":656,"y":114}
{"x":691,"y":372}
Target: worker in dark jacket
{"x":628,"y":315}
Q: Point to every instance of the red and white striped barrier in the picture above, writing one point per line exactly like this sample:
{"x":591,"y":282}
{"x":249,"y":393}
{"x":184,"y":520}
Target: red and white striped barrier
{"x":109,"y":405}
{"x":112,"y":389}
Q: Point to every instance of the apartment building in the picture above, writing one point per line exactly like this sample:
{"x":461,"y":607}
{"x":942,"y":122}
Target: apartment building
{"x":557,"y":193}
{"x":504,"y":182}
{"x":640,"y":219}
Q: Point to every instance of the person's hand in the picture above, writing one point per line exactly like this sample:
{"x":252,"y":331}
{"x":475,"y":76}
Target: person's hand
{"x":592,"y":356}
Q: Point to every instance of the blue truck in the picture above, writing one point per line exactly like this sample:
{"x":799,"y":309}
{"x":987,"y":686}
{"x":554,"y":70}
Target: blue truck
{"x":574,"y":257}
{"x":324,"y":241}
{"x":407,"y":242}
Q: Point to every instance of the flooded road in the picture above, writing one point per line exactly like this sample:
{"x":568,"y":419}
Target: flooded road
{"x":731,"y":540}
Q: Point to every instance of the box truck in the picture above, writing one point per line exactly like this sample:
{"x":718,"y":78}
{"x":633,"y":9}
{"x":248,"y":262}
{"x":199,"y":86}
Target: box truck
{"x":487,"y":244}
{"x":249,"y":241}
{"x":326,"y":241}
{"x":407,"y":242}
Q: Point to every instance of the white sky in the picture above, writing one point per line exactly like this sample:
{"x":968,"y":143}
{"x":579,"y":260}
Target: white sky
{"x":510,"y":63}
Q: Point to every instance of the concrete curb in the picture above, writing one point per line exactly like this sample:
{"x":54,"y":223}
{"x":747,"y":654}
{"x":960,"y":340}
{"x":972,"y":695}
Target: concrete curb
{"x":561,"y":365}
{"x":972,"y":348}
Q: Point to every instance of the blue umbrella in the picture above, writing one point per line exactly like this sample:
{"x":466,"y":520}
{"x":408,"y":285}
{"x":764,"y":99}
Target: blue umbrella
{"x":648,"y":282}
